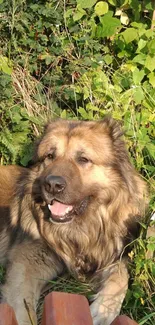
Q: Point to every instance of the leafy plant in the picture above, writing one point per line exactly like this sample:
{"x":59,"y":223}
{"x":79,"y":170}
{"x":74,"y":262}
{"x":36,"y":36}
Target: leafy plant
{"x":83,"y":59}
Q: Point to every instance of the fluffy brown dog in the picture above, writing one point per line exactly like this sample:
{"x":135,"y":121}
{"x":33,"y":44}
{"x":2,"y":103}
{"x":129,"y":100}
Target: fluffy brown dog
{"x":75,"y":210}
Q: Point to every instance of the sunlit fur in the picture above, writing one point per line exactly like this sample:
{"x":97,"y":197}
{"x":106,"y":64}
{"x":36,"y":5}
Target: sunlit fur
{"x":117,"y":196}
{"x":96,"y":238}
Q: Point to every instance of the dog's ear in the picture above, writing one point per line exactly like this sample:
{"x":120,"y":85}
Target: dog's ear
{"x":113,"y":127}
{"x":51,"y":125}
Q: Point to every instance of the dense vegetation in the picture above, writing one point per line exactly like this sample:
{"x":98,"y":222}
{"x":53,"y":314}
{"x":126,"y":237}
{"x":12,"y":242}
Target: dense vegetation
{"x":83,"y":59}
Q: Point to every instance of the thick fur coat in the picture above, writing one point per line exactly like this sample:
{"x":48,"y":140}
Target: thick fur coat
{"x":75,"y":210}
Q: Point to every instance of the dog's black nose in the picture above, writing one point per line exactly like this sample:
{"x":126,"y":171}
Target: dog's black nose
{"x":54,"y":184}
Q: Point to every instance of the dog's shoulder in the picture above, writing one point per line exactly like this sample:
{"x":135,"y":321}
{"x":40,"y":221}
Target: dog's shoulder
{"x":9,"y":177}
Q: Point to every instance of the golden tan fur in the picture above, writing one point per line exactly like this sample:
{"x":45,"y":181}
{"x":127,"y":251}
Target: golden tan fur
{"x":108,"y":200}
{"x":8,"y":178}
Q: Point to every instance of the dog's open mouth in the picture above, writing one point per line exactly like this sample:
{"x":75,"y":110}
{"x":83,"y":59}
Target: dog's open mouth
{"x":61,"y":212}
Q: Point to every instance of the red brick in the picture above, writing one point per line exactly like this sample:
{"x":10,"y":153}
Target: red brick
{"x":7,"y":315}
{"x":123,"y":320}
{"x":67,"y":309}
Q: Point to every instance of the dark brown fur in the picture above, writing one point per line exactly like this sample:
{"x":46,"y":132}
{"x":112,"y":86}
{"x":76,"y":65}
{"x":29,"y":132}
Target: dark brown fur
{"x":92,"y":159}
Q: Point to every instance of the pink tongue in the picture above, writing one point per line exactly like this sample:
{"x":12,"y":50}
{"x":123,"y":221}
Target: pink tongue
{"x":59,"y":209}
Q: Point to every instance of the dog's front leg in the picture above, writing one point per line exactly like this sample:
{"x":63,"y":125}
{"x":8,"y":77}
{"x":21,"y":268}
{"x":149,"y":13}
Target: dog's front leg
{"x":30,"y":267}
{"x":108,"y":300}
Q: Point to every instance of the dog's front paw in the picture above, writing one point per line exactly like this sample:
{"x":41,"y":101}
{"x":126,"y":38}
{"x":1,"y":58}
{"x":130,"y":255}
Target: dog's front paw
{"x":104,"y":313}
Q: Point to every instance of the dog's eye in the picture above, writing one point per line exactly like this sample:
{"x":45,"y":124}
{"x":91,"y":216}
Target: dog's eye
{"x":51,"y":156}
{"x":83,"y":160}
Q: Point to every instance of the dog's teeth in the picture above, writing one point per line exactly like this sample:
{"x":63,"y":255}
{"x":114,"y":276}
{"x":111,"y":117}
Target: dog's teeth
{"x":49,"y":206}
{"x":68,"y":209}
{"x":50,"y":219}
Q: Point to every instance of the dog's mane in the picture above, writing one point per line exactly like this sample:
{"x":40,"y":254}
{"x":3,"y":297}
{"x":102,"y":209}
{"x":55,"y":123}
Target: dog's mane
{"x":94,"y":241}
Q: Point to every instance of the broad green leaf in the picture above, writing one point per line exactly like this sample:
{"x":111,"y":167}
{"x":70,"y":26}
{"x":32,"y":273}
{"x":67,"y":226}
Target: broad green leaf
{"x":108,"y":59}
{"x":86,"y":92}
{"x":48,"y":60}
{"x":64,"y":114}
{"x":101,"y":8}
{"x":113,"y":2}
{"x":5,"y":65}
{"x":79,"y":13}
{"x":100,"y":81}
{"x":149,"y":5}
{"x":92,"y":107}
{"x":150,"y":63}
{"x":138,"y":25}
{"x":109,"y":25}
{"x":142,"y":136}
{"x":124,"y":3}
{"x":151,"y":247}
{"x":43,"y":56}
{"x":150,"y":148}
{"x":128,"y":67}
{"x":124,"y":18}
{"x":140,"y":58}
{"x":151,"y":77}
{"x":138,"y":95}
{"x":130,"y":34}
{"x":138,"y":75}
{"x":122,"y":54}
{"x":151,"y":46}
{"x":86,"y":3}
{"x":141,"y":45}
{"x":149,"y":33}
{"x":83,"y":113}
{"x":68,"y":13}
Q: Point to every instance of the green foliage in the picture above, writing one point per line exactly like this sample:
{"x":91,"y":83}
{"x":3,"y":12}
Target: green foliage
{"x":15,"y":128}
{"x":5,"y":65}
{"x":82,"y":59}
{"x":140,"y":298}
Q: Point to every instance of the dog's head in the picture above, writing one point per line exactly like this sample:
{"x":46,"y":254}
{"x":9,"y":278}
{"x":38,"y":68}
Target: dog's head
{"x":82,"y":165}
{"x":85,"y":192}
